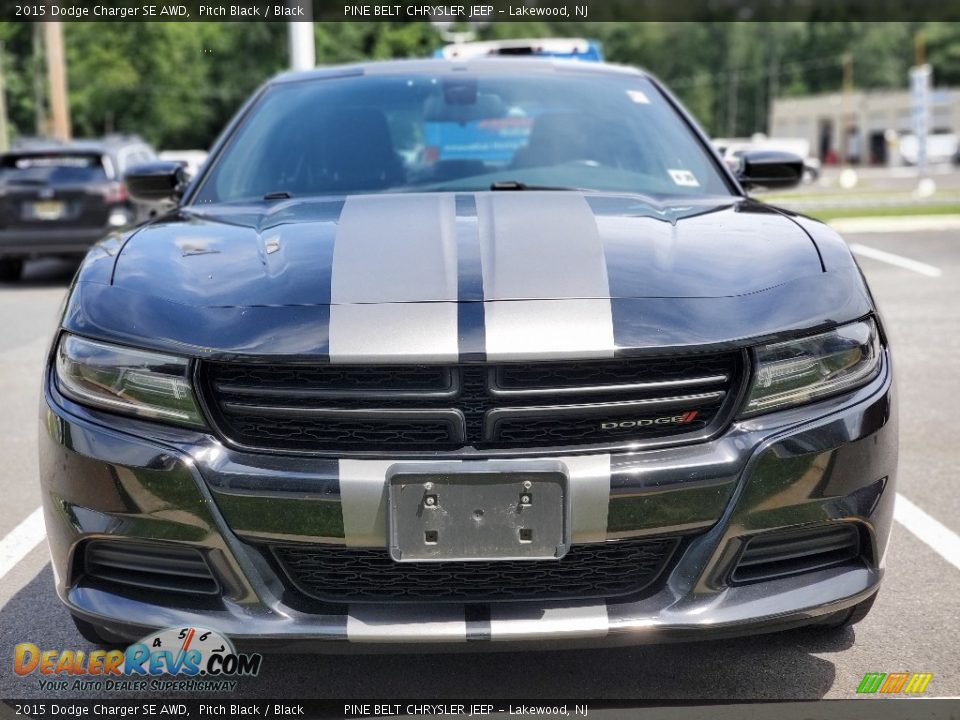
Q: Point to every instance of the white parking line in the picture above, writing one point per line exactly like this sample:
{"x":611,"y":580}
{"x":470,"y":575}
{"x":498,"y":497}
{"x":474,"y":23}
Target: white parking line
{"x":935,"y":534}
{"x":21,"y":540}
{"x":898,"y":260}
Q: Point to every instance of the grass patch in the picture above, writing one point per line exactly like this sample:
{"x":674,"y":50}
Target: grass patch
{"x":883,"y":211}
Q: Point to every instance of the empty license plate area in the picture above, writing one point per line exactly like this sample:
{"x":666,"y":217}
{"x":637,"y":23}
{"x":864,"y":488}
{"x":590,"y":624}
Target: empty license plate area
{"x":477,"y":516}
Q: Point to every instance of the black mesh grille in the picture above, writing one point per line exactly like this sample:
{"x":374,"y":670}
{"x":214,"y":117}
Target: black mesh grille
{"x":337,"y":574}
{"x":443,"y":408}
{"x":304,"y":432}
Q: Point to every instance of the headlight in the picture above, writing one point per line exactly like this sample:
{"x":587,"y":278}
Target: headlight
{"x":799,"y":371}
{"x":136,"y":382}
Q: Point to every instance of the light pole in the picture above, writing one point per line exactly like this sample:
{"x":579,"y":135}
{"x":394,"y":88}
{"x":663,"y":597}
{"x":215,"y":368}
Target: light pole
{"x":303,"y":52}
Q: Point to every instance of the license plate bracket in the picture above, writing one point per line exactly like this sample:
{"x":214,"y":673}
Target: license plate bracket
{"x":478,"y":514}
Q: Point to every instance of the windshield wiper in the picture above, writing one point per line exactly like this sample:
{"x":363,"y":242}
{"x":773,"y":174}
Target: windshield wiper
{"x":517,"y":185}
{"x":277,"y":195}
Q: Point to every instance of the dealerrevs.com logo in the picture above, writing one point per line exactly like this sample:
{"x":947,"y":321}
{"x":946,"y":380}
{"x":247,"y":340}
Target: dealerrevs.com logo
{"x":681,"y":419}
{"x":198,"y":659}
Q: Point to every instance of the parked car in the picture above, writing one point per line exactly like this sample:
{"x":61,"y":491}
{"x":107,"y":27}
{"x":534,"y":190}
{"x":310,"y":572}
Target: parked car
{"x":58,"y":199}
{"x":561,"y":48}
{"x":591,"y":393}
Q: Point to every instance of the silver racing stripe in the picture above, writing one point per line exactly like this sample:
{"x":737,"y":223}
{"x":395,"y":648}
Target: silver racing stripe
{"x":521,"y":621}
{"x":394,"y":333}
{"x":393,"y":286}
{"x":363,"y":502}
{"x":395,"y":249}
{"x":549,"y":329}
{"x":544,"y":278}
{"x":589,"y":477}
{"x":406,"y":623}
{"x":540,"y":246}
{"x":363,"y":497}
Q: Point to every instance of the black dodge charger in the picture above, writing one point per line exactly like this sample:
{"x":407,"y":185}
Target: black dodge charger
{"x":439,"y":352}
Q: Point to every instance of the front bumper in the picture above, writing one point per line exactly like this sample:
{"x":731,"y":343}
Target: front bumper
{"x":835,"y":461}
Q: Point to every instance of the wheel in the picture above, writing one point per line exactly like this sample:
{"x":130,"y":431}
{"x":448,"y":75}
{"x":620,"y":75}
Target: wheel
{"x":850,"y":616}
{"x":10,"y":269}
{"x":96,"y":634}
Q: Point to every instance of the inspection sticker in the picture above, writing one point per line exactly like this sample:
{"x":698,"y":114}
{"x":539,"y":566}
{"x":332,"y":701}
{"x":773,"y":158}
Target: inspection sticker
{"x":683,"y":177}
{"x":638,"y":96}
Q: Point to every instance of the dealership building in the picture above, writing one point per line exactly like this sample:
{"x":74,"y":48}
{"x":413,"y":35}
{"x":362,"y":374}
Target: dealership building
{"x":861,"y":127}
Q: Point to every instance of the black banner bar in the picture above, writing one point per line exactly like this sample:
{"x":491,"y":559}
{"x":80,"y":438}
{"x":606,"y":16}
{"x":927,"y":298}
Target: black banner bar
{"x":477,"y":11}
{"x":166,"y":708}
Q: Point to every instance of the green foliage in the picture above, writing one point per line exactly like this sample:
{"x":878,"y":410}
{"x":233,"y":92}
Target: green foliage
{"x":176,"y":84}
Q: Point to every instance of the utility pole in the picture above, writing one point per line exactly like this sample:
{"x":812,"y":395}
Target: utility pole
{"x":4,"y":137}
{"x":920,"y":88}
{"x":845,"y":123}
{"x":303,"y":51}
{"x":732,"y":103}
{"x":57,"y":77}
{"x":39,"y":101}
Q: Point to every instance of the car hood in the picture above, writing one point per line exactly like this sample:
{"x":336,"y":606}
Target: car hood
{"x":449,"y":247}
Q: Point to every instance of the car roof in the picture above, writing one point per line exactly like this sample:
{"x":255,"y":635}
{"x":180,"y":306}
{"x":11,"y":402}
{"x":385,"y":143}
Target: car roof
{"x":436,"y":66}
{"x":81,"y":145}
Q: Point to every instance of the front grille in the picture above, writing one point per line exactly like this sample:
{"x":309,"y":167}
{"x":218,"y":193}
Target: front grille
{"x":334,"y":573}
{"x":772,"y":555}
{"x":344,"y":409}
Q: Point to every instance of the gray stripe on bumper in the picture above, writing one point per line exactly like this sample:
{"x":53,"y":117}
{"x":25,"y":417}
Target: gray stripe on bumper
{"x":406,"y":623}
{"x":522,"y":621}
{"x":363,"y":496}
{"x":589,"y":496}
{"x":363,"y":502}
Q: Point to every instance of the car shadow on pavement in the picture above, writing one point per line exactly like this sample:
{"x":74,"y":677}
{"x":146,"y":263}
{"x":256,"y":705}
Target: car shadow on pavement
{"x":777,"y":666}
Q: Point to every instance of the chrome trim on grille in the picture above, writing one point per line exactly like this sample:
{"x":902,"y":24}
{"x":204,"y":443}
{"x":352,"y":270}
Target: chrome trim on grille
{"x":604,"y":408}
{"x":498,"y":391}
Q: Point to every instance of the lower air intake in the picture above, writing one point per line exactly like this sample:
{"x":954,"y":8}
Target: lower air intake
{"x":778,"y":554}
{"x":160,"y":567}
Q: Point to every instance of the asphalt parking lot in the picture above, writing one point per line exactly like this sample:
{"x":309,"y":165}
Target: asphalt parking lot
{"x":914,"y":627}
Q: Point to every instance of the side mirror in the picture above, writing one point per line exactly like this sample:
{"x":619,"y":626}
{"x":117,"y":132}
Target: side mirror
{"x":769,"y":169}
{"x":159,"y":181}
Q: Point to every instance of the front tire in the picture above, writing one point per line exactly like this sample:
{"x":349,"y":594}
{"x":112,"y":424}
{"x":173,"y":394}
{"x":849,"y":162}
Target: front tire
{"x":10,"y":269}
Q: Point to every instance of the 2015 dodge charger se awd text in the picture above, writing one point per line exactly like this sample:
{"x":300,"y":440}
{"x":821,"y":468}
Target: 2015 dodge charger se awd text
{"x":438,"y":352}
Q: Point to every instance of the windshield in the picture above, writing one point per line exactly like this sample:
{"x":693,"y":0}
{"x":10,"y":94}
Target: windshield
{"x":51,"y":169}
{"x":461,"y":132}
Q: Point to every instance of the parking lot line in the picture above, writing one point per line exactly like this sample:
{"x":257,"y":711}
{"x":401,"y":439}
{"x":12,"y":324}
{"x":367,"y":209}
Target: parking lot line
{"x":932,"y":532}
{"x":898,"y":260}
{"x":21,"y":540}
